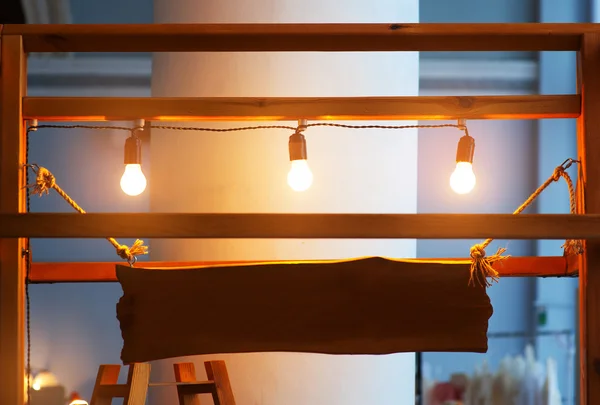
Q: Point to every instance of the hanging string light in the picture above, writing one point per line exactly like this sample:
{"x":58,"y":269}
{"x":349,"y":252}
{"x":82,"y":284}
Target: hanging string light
{"x":300,"y":176}
{"x":133,"y":181}
{"x":462,"y":180}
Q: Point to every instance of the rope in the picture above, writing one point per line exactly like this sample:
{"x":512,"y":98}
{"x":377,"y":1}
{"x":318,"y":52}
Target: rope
{"x":571,"y":247}
{"x":482,"y":270}
{"x":45,"y":181}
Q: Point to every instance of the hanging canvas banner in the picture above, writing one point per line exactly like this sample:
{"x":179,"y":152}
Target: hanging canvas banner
{"x":364,"y":306}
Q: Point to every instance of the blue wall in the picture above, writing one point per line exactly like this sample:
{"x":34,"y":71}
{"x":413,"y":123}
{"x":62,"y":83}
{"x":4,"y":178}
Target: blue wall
{"x":74,"y":326}
{"x":501,"y":187}
{"x":505,"y":178}
{"x":478,"y":11}
{"x":537,"y":148}
{"x":556,"y":142}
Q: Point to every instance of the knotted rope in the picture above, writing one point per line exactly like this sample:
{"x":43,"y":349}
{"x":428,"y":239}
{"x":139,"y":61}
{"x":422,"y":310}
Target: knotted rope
{"x":482,"y":269}
{"x":45,"y":181}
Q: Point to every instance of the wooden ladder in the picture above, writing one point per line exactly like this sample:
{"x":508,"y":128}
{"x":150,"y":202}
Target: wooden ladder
{"x":135,"y":390}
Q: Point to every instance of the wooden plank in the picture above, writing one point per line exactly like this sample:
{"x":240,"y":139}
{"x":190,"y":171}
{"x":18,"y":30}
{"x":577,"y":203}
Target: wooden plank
{"x":106,"y":379}
{"x":137,"y":382}
{"x":217,"y":370}
{"x":589,"y":281}
{"x":303,"y":226}
{"x":300,"y":37}
{"x":347,"y":307}
{"x":12,"y":200}
{"x":84,"y":272}
{"x":292,"y":109}
{"x":186,"y":373}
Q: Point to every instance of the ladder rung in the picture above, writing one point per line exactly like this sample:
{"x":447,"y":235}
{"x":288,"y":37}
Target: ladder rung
{"x":179,"y":384}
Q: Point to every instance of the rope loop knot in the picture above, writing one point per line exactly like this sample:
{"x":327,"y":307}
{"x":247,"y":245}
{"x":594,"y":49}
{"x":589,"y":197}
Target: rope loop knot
{"x":482,"y":267}
{"x":44,"y":181}
{"x":558,"y":173}
{"x":477,"y":251}
{"x":130,"y":253}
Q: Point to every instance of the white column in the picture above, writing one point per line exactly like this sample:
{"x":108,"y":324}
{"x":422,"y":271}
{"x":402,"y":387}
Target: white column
{"x":368,"y":171}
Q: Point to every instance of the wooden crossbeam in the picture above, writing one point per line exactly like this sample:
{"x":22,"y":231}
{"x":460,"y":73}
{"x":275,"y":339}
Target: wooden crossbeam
{"x":282,"y":109}
{"x":85,"y":272}
{"x":310,"y":226}
{"x":300,"y":37}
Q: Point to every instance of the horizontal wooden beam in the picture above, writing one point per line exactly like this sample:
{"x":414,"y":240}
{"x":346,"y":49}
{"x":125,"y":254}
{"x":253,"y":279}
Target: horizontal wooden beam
{"x":300,"y":37}
{"x":302,"y":226}
{"x":282,"y":109}
{"x":85,"y":272}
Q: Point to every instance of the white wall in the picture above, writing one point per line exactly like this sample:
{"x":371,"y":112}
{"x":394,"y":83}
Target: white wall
{"x":354,"y":171}
{"x":73,"y":326}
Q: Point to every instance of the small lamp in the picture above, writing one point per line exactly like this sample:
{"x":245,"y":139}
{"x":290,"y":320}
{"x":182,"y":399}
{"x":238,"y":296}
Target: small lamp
{"x":75,"y":399}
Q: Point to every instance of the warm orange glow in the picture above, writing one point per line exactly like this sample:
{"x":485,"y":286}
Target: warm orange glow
{"x":75,"y":399}
{"x":551,"y":266}
{"x":300,"y":176}
{"x":293,"y":109}
{"x":133,"y":182}
{"x":462,"y":180}
{"x":44,"y":379}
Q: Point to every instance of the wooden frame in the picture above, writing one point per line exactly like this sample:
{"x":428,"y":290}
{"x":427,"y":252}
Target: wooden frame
{"x":16,"y":226}
{"x":282,"y":109}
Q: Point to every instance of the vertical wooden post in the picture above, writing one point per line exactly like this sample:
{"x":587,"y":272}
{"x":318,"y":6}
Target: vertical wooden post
{"x":588,"y":134}
{"x":216,"y":370}
{"x":137,"y":383}
{"x":186,"y":373}
{"x":12,"y":200}
{"x":108,"y":375}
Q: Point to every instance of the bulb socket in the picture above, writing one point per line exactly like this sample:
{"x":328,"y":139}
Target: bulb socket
{"x":297,"y":147}
{"x":133,"y":151}
{"x":465,"y":150}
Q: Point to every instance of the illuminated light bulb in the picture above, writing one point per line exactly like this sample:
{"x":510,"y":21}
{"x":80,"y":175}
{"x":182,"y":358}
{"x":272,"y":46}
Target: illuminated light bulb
{"x":300,"y":176}
{"x":75,"y":399}
{"x":133,"y":181}
{"x":462,"y":180}
{"x":44,"y":379}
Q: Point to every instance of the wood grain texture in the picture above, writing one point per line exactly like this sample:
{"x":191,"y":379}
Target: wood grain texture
{"x":300,"y":37}
{"x":589,"y":280}
{"x":12,"y":201}
{"x":186,"y":373}
{"x":217,"y":371}
{"x":86,"y":272}
{"x":138,"y":378}
{"x":292,"y":109}
{"x":365,"y":306}
{"x":309,"y":226}
{"x":108,"y":375}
